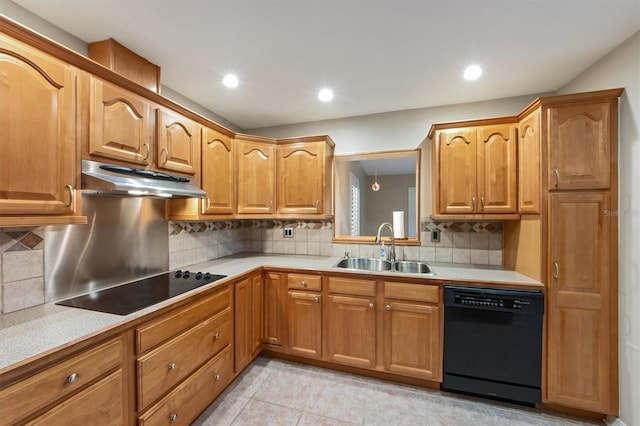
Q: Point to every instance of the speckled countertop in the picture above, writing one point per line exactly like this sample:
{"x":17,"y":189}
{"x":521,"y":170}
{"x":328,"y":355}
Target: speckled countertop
{"x":34,"y":331}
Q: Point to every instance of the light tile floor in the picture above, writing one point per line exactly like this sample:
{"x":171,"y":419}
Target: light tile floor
{"x":276,"y":392}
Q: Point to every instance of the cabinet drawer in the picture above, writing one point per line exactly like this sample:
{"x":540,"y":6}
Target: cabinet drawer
{"x":59,"y":381}
{"x":354,"y":287}
{"x":305,"y":282}
{"x":167,"y":365}
{"x":100,"y":404}
{"x":193,"y":395}
{"x":417,"y":292}
{"x":167,"y":326}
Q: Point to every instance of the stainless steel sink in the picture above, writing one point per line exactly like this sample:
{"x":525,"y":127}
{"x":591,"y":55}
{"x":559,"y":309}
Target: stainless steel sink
{"x":364,"y":264}
{"x":413,"y":267}
{"x":370,"y":264}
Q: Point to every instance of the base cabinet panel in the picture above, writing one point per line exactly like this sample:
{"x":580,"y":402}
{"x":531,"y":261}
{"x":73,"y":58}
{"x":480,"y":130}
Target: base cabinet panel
{"x":305,"y":324}
{"x":351,"y":330}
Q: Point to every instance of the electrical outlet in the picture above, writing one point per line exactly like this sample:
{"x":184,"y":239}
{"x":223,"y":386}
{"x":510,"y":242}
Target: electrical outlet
{"x":435,"y":236}
{"x":288,"y":232}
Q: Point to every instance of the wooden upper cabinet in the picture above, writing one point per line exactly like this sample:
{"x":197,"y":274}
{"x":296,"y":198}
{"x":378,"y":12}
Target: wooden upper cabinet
{"x":457,"y":165}
{"x":582,"y":338}
{"x":580,"y":144}
{"x":178,"y":142}
{"x":256,"y":168}
{"x":217,"y":172}
{"x":120,"y":124}
{"x":475,"y":171}
{"x":304,"y":177}
{"x":496,"y":169}
{"x":38,"y":150}
{"x":529,"y":156}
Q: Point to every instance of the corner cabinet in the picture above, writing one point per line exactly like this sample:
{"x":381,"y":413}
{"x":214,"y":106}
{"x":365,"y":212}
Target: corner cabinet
{"x":475,"y":170}
{"x":38,"y":150}
{"x":256,"y":172}
{"x":304,"y":176}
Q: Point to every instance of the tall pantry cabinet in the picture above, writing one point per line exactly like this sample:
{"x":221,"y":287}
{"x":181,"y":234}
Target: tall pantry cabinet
{"x":569,"y":230}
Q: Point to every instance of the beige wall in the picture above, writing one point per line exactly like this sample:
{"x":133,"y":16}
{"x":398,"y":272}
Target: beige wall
{"x":621,"y":68}
{"x":380,"y":205}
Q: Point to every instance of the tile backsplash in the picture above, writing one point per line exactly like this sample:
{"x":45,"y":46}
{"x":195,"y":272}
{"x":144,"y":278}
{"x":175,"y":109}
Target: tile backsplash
{"x":22,"y":282}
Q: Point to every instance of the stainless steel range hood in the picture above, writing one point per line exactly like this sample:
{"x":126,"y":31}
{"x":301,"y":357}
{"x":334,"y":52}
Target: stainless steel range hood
{"x":108,"y":179}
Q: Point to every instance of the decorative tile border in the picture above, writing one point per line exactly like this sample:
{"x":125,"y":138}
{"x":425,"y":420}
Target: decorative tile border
{"x":21,"y":239}
{"x":427,"y":225}
{"x":177,"y":227}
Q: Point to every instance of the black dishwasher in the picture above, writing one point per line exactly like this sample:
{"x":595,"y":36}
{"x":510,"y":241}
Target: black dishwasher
{"x":493,"y":343}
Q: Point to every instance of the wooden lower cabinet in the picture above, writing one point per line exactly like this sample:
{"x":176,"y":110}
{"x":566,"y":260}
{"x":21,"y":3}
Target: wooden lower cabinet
{"x":249,"y":320}
{"x":185,"y":403}
{"x":581,"y":338}
{"x":411,"y":339}
{"x":275,"y":291}
{"x":351,"y":330}
{"x":304,"y":314}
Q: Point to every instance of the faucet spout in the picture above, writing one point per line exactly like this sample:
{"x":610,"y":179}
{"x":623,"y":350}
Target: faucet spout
{"x":392,"y":253}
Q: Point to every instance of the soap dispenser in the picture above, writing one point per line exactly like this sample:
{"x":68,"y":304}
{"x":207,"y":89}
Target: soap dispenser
{"x":383,"y":252}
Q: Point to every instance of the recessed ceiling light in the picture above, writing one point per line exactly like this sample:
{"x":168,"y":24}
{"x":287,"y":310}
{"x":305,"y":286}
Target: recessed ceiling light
{"x":473,"y":72}
{"x":325,"y":95}
{"x":230,"y":80}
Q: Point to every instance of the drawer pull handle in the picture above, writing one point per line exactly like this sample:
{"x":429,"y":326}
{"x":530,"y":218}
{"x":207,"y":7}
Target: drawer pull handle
{"x":173,"y":417}
{"x":303,"y":283}
{"x":482,"y":202}
{"x":146,"y":145}
{"x":556,"y":270}
{"x":72,"y":378}
{"x":166,"y":159}
{"x":172,"y":366}
{"x":216,"y":336}
{"x":72,"y":196}
{"x":371,"y":305}
{"x":473,"y":203}
{"x":216,"y":377}
{"x":556,"y":178}
{"x":388,"y":307}
{"x":208,"y":206}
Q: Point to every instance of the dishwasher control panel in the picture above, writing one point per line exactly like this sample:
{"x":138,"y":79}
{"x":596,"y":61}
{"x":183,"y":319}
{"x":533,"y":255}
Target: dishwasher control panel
{"x":461,"y":299}
{"x":493,"y":299}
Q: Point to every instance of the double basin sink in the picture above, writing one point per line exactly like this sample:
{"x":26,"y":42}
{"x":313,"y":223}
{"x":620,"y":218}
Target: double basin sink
{"x":379,"y":265}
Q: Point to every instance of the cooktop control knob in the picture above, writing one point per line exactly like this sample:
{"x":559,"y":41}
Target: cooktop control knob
{"x":207,"y":276}
{"x":185,"y":274}
{"x":178,"y":273}
{"x":198,"y":275}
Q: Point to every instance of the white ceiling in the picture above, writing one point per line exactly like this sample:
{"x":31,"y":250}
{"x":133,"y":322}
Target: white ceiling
{"x":376,"y":55}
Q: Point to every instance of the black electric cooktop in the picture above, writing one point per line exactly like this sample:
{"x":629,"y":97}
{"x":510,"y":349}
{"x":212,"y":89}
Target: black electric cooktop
{"x":136,"y":295}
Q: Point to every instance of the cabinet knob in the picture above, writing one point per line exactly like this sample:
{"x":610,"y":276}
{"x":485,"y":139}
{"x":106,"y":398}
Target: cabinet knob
{"x":172,"y":366}
{"x":316,"y":299}
{"x":166,"y":159}
{"x":173,"y":417}
{"x":72,"y":195}
{"x":73,"y":377}
{"x":303,"y":283}
{"x":216,"y":377}
{"x":388,"y":307}
{"x":216,"y":336}
{"x":371,"y":305}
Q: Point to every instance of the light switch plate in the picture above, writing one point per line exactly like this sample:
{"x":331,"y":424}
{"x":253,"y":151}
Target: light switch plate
{"x":288,"y":232}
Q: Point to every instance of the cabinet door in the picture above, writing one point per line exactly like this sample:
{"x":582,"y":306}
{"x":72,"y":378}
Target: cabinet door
{"x":580,"y":341}
{"x":412,"y":340}
{"x":305,"y":324}
{"x":178,"y":142}
{"x":243,"y":337}
{"x":496,"y":169}
{"x":257,"y":313}
{"x":457,"y":171}
{"x":351,"y":330}
{"x":256,"y":178}
{"x":580,"y":145}
{"x":120,"y":124}
{"x":301,"y":178}
{"x":217,"y":172}
{"x":529,"y":176}
{"x":38,"y":161}
{"x":275,"y":293}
